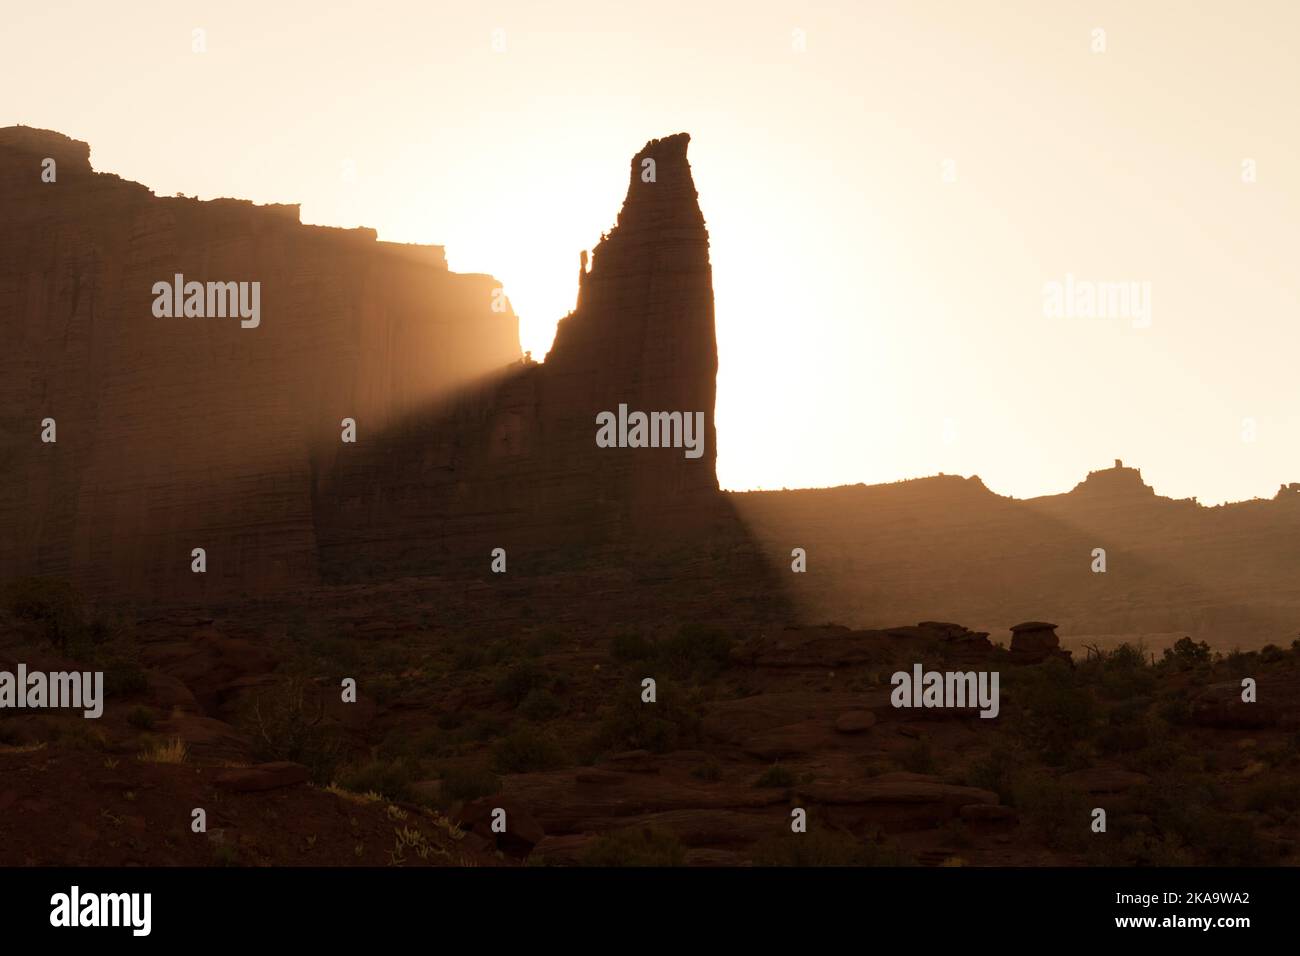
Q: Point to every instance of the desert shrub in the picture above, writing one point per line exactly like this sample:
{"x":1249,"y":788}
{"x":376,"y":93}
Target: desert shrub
{"x":1236,"y":658}
{"x":384,"y":689}
{"x":1060,"y":712}
{"x":461,"y":782}
{"x":123,"y":674}
{"x":81,"y":735}
{"x":546,"y":641}
{"x":1123,"y":673}
{"x":1139,"y":848}
{"x":142,"y":718}
{"x":225,"y":854}
{"x":1271,"y":653}
{"x":423,"y":743}
{"x":1125,"y":728}
{"x":389,"y":778}
{"x":1273,"y":796}
{"x":695,"y":652}
{"x":286,"y":724}
{"x":470,"y":658}
{"x":1187,"y":653}
{"x":917,"y":757}
{"x":540,"y":705}
{"x":671,"y":723}
{"x":1175,"y":708}
{"x":1192,"y":806}
{"x":485,"y":727}
{"x":51,"y":603}
{"x":995,"y":771}
{"x":709,"y":771}
{"x":776,"y":776}
{"x":170,"y":751}
{"x":333,"y":652}
{"x":1056,"y":815}
{"x":519,"y":681}
{"x":452,"y":720}
{"x":11,"y":733}
{"x":641,"y":846}
{"x":630,"y":646}
{"x":527,"y":749}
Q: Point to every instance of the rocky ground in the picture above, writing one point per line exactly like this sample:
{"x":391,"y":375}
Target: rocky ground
{"x":525,"y":695}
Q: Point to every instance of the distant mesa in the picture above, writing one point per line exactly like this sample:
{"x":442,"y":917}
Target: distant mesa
{"x":1114,"y":482}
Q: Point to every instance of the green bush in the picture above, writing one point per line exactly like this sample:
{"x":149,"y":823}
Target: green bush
{"x":468,"y":782}
{"x":470,"y":658}
{"x":1187,"y":653}
{"x":996,"y":772}
{"x":123,"y":675}
{"x":671,"y":723}
{"x":527,"y":749}
{"x":710,"y":770}
{"x":51,"y":603}
{"x":287,"y":723}
{"x":1053,"y":813}
{"x":540,"y":705}
{"x":917,"y":757}
{"x":520,"y":681}
{"x":631,"y":646}
{"x":1125,"y":729}
{"x":1271,"y":653}
{"x":142,"y":718}
{"x":390,"y":778}
{"x":695,"y":652}
{"x":1060,"y":712}
{"x":776,"y":776}
{"x":1123,"y":673}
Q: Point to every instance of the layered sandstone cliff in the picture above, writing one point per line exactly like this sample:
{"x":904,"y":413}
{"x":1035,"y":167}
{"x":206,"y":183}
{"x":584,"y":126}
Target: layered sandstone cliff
{"x":179,"y":433}
{"x":175,"y":433}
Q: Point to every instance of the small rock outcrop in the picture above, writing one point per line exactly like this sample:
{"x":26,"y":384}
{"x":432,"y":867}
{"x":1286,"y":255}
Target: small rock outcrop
{"x":1034,"y":642}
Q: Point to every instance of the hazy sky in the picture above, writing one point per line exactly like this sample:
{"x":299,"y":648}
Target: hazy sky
{"x":886,"y":205}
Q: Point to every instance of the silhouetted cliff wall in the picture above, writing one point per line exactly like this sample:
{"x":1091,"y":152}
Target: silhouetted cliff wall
{"x":177,"y":433}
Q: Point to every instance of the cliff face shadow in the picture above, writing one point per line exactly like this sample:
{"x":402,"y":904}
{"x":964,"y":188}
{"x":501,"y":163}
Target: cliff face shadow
{"x":545,"y":464}
{"x":947,"y":548}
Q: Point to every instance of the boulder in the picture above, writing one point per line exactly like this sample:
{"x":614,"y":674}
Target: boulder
{"x":855,"y":721}
{"x":522,"y":831}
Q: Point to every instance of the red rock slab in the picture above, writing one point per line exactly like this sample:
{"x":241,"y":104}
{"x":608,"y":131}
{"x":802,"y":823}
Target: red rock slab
{"x":266,"y":776}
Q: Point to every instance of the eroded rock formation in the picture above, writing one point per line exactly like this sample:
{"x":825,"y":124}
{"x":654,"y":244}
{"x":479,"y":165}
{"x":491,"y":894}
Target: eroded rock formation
{"x":180,"y":433}
{"x":515,"y":463}
{"x":176,"y":433}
